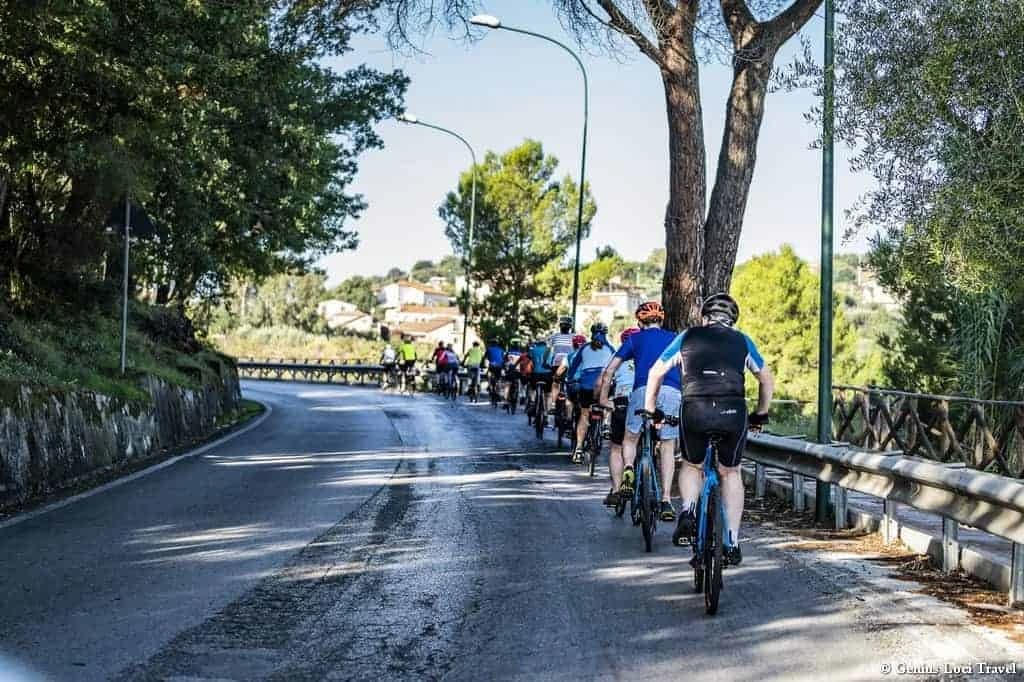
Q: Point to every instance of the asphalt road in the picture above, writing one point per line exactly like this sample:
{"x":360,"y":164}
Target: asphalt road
{"x":355,"y":535}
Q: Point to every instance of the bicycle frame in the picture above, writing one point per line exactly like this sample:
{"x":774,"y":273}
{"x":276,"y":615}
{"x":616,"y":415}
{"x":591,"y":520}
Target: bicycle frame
{"x":711,"y":482}
{"x":645,"y":458}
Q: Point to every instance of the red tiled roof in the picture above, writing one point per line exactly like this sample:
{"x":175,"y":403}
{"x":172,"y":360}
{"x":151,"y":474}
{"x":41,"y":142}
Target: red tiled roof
{"x":424,"y":327}
{"x":432,"y":309}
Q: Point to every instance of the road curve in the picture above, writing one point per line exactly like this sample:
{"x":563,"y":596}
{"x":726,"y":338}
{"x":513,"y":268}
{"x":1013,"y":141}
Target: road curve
{"x":355,"y":535}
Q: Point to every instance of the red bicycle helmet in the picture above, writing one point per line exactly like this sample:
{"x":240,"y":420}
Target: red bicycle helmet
{"x":650,"y":312}
{"x":578,"y":341}
{"x":626,"y":333}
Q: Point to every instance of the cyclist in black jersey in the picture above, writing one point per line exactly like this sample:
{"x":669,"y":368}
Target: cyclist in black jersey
{"x":712,"y":359}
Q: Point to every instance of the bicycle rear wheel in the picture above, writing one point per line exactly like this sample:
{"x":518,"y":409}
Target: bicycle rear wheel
{"x":594,"y":450}
{"x":714,"y":553}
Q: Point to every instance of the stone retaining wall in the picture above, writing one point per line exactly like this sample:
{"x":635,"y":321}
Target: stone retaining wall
{"x":49,"y":439}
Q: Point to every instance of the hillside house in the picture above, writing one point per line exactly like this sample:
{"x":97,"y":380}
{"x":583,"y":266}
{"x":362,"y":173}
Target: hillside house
{"x":411,"y":293}
{"x":341,"y":315}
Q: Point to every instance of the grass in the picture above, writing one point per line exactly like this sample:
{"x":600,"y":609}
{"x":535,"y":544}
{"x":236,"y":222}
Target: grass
{"x":80,"y":350}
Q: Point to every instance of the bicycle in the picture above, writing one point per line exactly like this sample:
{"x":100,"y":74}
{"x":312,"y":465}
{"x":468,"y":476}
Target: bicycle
{"x":647,"y":491}
{"x":562,"y":426}
{"x":513,"y":394}
{"x":494,"y":389}
{"x":408,"y":380}
{"x":709,"y":545}
{"x":473,"y":392}
{"x":540,"y":410}
{"x":453,"y":384}
{"x":592,"y":441}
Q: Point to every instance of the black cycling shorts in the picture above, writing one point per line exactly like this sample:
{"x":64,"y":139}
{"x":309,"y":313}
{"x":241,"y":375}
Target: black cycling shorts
{"x":409,"y":365}
{"x":543,"y":378}
{"x":584,"y":397}
{"x":724,"y":416}
{"x":618,"y":425}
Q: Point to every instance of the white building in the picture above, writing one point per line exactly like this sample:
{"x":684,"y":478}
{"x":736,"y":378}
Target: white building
{"x":605,"y":306}
{"x":344,"y":315}
{"x":402,"y":293}
{"x":481,"y":290}
{"x":429,"y":323}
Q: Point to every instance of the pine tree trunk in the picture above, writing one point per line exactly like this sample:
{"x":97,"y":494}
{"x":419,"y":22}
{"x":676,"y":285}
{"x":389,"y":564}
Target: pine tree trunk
{"x":684,"y":215}
{"x":744,"y":113}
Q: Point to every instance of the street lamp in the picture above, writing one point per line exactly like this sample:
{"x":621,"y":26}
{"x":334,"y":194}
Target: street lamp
{"x":413,"y":120}
{"x":492,"y":22}
{"x":822,"y":488}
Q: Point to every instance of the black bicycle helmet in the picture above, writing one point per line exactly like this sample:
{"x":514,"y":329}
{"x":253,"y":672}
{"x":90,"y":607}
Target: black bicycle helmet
{"x":565,"y":324}
{"x":598,"y":328}
{"x":720,"y":307}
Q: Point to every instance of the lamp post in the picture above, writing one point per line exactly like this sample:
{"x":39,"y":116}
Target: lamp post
{"x":413,"y":120}
{"x":822,"y":488}
{"x":492,"y":22}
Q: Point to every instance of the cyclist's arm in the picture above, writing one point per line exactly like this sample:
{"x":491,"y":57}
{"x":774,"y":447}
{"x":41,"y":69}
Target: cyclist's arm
{"x":604,"y":382}
{"x":765,"y":379}
{"x":655,"y":378}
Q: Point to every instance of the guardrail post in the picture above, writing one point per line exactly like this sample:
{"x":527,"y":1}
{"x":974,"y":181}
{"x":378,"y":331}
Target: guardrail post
{"x":839,"y":506}
{"x":890,"y":531}
{"x":760,"y":481}
{"x":950,"y":545}
{"x":798,"y":492}
{"x":1017,"y":574}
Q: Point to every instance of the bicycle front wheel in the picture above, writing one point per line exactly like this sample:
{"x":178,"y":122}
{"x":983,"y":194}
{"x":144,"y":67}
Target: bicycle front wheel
{"x":714,"y":553}
{"x":595,"y":448}
{"x":648,"y":507}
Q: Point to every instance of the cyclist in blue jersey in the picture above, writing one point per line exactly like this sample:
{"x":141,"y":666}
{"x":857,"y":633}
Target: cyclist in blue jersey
{"x":494,"y":356}
{"x":712,"y":359}
{"x":584,"y":370}
{"x":511,"y":371}
{"x":541,"y":374}
{"x":644,"y":348}
{"x":622,"y":387}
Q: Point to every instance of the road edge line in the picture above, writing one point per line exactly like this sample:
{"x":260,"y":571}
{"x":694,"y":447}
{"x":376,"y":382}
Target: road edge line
{"x":53,"y":506}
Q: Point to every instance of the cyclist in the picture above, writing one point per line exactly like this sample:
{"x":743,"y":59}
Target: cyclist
{"x":541,"y":373}
{"x":439,"y":370}
{"x":622,"y":382}
{"x":451,"y":366}
{"x":559,"y":346}
{"x":495,"y":357}
{"x":562,"y":376}
{"x":511,"y":367}
{"x":645,"y":348}
{"x":712,"y":358}
{"x":474,"y":361}
{"x":388,"y":360}
{"x":407,"y":352}
{"x":585,"y":369}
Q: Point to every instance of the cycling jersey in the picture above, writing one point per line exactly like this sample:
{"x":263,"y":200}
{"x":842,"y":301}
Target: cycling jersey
{"x":512,"y":357}
{"x":525,"y":365}
{"x":474,"y":357}
{"x":559,"y":346}
{"x":712,"y":359}
{"x":495,"y":356}
{"x":408,"y":352}
{"x":450,"y":359}
{"x":537,"y":353}
{"x":644,"y":348}
{"x":389,"y":356}
{"x":588,"y":364}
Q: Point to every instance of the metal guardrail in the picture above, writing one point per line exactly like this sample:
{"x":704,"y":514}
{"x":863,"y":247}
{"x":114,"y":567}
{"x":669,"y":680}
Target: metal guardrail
{"x":988,"y":502}
{"x":344,"y":374}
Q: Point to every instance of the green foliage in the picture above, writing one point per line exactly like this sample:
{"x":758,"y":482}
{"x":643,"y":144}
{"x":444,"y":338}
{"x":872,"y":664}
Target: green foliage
{"x":214,"y":116}
{"x":291,"y":343}
{"x":359,"y":291}
{"x":80,"y":349}
{"x":778,"y":296}
{"x":525,"y":223}
{"x":929,"y":92}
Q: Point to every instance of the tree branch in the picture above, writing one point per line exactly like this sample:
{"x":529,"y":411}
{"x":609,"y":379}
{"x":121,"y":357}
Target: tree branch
{"x":737,"y":17}
{"x":792,"y":19}
{"x":621,"y":23}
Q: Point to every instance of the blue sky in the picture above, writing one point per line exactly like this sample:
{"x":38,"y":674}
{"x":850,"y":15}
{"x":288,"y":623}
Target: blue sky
{"x":507,"y":87}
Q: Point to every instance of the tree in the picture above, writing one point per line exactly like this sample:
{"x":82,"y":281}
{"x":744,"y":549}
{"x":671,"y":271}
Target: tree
{"x":525,"y":222}
{"x":929,"y":93}
{"x":778,"y":297}
{"x":701,"y":236}
{"x":215,"y":116}
{"x":359,"y":291}
{"x":288,"y":301}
